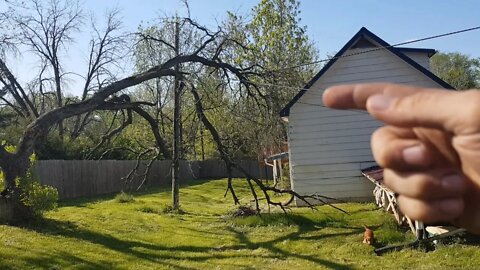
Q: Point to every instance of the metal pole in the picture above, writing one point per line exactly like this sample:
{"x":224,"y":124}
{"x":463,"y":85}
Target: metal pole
{"x":177,"y":144}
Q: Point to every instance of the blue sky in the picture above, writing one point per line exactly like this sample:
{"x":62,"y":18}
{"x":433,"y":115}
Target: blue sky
{"x":330,"y":23}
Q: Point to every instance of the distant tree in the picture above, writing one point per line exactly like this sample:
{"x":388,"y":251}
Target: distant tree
{"x":109,"y":105}
{"x":44,"y":32}
{"x":459,"y":70}
{"x":278,"y":43}
{"x":46,"y":28}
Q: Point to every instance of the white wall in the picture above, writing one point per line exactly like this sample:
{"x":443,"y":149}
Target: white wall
{"x":419,"y":57}
{"x":328,"y":148}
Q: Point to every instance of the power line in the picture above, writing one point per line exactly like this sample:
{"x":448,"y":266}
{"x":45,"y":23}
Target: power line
{"x":438,"y":36}
{"x":277,"y":85}
{"x":381,"y":48}
{"x":353,"y":54}
{"x":362,"y":52}
{"x":295,"y":88}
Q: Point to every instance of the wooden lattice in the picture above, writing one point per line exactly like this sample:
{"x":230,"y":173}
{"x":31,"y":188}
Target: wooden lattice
{"x":385,"y":198}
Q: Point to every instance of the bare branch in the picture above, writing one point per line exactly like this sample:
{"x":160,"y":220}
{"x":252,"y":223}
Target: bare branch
{"x":148,"y":37}
{"x":161,"y":144}
{"x":107,"y":137}
{"x":133,"y":173}
{"x":147,"y":171}
{"x":231,"y":164}
{"x":13,"y":86}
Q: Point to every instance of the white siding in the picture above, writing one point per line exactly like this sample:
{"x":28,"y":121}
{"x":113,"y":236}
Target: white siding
{"x":328,"y":148}
{"x":421,"y":58}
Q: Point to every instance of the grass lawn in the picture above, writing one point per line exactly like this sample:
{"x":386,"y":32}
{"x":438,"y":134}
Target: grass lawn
{"x":106,"y":234}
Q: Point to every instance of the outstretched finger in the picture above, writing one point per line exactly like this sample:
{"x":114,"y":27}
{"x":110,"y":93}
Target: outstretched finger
{"x":407,"y":106}
{"x":355,"y":96}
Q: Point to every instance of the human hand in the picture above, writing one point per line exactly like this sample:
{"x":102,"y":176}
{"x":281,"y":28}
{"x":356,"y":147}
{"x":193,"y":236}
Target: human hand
{"x":429,"y":148}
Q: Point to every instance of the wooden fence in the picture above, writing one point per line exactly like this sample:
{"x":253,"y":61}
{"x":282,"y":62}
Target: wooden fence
{"x":85,"y":178}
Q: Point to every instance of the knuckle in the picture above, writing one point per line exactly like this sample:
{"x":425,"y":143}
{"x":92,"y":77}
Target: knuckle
{"x":470,"y":110}
{"x":409,"y":102}
{"x":472,"y":97}
{"x":389,"y":181}
{"x":422,"y":187}
{"x":414,"y":186}
{"x":412,"y":210}
{"x":419,"y":209}
{"x":406,"y":207}
{"x":378,"y":147}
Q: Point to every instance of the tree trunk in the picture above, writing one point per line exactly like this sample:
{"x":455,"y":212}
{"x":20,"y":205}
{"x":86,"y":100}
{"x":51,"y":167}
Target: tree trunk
{"x":58,"y":91}
{"x":202,"y":143}
{"x":12,"y":210}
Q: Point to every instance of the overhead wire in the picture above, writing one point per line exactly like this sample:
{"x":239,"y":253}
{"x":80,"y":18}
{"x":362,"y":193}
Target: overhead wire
{"x":358,"y":53}
{"x":381,"y":48}
{"x":350,"y":55}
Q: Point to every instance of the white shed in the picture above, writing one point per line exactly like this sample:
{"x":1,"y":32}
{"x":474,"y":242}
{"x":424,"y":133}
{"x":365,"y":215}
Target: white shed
{"x":329,"y":148}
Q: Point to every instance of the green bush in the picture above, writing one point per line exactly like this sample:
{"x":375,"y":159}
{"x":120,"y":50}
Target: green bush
{"x":123,"y":197}
{"x":39,"y":198}
{"x":164,"y":209}
{"x":151,"y":210}
{"x":168,"y":209}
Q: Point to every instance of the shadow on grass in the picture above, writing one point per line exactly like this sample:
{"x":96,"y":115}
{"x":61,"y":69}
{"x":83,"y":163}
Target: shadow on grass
{"x":366,"y":208}
{"x":53,"y":261}
{"x":304,"y":225}
{"x":70,"y":230}
{"x":298,"y":220}
{"x":83,"y":202}
{"x":4,"y":265}
{"x":159,"y":253}
{"x":49,"y":260}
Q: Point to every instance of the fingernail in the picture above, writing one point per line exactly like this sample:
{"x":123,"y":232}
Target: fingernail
{"x":379,"y":102}
{"x":451,"y":206}
{"x":414,"y":155}
{"x":452,"y":182}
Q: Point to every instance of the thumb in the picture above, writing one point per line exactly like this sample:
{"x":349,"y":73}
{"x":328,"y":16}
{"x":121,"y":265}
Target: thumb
{"x":456,"y":112}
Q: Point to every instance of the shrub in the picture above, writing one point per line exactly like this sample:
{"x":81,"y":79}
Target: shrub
{"x":123,"y":197}
{"x":244,"y":211}
{"x":150,"y":210}
{"x":39,"y":198}
{"x":164,"y":209}
{"x":168,"y":209}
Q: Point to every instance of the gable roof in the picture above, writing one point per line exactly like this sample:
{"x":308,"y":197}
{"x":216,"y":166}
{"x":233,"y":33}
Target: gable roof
{"x":359,"y":36}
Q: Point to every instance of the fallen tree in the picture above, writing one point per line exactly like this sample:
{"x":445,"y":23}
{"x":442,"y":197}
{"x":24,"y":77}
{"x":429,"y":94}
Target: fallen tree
{"x":210,"y":56}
